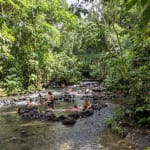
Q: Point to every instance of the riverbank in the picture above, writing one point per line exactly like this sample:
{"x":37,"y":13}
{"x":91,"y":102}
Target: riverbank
{"x":138,"y":139}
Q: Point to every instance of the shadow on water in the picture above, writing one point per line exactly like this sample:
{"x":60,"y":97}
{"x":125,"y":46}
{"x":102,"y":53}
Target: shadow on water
{"x":17,"y":133}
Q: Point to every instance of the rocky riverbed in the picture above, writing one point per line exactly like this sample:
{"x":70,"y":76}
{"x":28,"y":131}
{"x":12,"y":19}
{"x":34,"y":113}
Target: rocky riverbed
{"x":86,"y":133}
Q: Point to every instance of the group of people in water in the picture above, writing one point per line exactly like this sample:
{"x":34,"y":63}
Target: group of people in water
{"x":50,"y":104}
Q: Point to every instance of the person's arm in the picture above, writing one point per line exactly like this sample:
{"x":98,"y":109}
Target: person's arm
{"x":90,"y":105}
{"x":48,"y":99}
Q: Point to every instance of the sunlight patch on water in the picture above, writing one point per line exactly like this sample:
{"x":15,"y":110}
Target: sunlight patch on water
{"x":65,"y":146}
{"x":32,"y":124}
{"x":8,"y":113}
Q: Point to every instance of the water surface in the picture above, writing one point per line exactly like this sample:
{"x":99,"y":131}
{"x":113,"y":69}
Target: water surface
{"x":18,"y":133}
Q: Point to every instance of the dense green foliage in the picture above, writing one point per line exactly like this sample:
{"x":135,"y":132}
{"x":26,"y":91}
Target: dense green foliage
{"x":32,"y":33}
{"x":48,"y":40}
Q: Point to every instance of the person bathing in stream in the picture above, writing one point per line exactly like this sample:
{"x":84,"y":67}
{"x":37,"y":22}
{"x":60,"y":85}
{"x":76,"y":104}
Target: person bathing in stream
{"x":86,"y":105}
{"x":50,"y":101}
{"x":30,"y":103}
{"x":76,"y":108}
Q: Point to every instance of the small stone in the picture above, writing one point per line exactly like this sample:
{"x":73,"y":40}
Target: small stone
{"x":13,"y":138}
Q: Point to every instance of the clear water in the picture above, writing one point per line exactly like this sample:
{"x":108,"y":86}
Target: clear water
{"x":17,"y":133}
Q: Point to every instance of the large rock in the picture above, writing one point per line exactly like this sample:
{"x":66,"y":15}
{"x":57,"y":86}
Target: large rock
{"x":87,"y":113}
{"x":69,"y":121}
{"x":62,"y":117}
{"x":74,"y":115}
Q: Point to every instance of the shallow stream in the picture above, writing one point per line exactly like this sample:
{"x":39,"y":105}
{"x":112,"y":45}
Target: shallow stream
{"x":90,"y":133}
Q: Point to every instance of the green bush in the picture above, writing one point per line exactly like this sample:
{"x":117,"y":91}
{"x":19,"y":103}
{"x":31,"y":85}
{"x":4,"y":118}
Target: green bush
{"x":147,"y":148}
{"x":115,"y":122}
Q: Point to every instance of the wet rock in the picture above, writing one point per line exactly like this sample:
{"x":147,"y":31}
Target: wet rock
{"x":50,"y":116}
{"x":26,"y":115}
{"x":55,"y":119}
{"x":22,"y":111}
{"x":13,"y":138}
{"x":68,"y":97}
{"x":22,"y":99}
{"x":87,"y":113}
{"x":104,"y":105}
{"x":95,"y":98}
{"x":96,"y":107}
{"x":74,"y":116}
{"x":62,"y":117}
{"x":69,"y":121}
{"x":41,"y":116}
{"x":23,"y":132}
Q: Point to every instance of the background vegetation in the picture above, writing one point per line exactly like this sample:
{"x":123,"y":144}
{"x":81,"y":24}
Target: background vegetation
{"x":49,"y":40}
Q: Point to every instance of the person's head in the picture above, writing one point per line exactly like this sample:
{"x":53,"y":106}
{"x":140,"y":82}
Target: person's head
{"x":30,"y":100}
{"x":49,"y":93}
{"x":75,"y":106}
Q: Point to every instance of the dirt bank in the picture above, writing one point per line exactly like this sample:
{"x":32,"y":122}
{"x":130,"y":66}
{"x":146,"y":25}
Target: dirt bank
{"x":138,"y":139}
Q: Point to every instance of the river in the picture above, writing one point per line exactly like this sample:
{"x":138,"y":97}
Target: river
{"x":90,"y":133}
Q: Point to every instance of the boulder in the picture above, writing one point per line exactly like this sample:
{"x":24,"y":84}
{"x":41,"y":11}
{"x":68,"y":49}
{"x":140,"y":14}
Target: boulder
{"x":87,"y":113}
{"x":62,"y":117}
{"x":74,"y":116}
{"x":68,"y":121}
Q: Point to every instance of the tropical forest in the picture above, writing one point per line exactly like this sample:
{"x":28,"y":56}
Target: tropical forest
{"x":75,"y":74}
